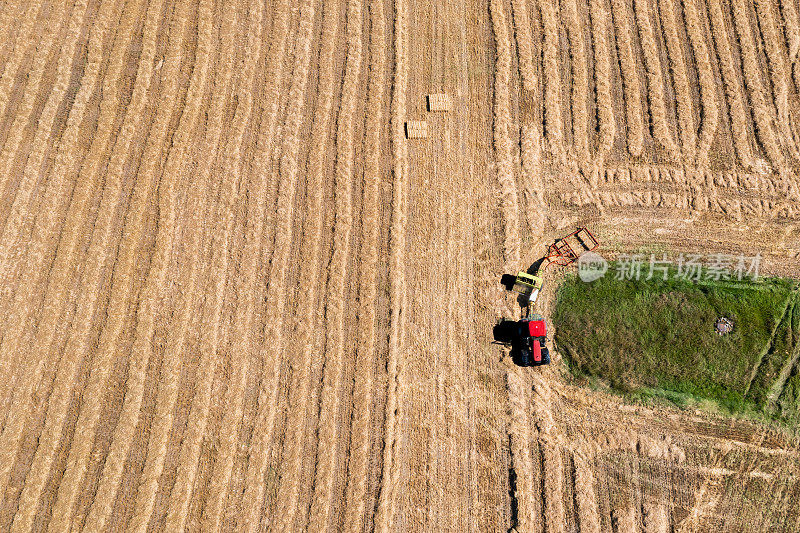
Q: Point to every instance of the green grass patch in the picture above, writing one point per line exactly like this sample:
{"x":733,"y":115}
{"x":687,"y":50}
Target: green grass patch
{"x":654,"y":340}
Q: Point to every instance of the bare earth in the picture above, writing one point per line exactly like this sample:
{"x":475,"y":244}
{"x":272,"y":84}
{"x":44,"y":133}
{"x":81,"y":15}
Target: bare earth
{"x":234,"y":296}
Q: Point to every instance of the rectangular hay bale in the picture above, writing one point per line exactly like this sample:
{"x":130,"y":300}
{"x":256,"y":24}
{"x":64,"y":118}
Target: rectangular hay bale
{"x":439,"y":102}
{"x":416,"y":129}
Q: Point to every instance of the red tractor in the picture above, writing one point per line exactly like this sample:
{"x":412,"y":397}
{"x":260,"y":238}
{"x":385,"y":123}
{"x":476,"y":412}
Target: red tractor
{"x":527,"y":339}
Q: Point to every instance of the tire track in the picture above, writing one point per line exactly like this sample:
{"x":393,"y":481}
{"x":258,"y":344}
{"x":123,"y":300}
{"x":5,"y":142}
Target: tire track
{"x":361,"y":442}
{"x":86,"y":427}
{"x":634,"y":111}
{"x":733,"y":89}
{"x":242,"y":346}
{"x":655,"y":77}
{"x":708,"y":91}
{"x":289,"y":492}
{"x":102,"y":506}
{"x":333,"y":371}
{"x":58,"y":279}
{"x":607,"y":124}
{"x":190,"y":448}
{"x":390,"y":476}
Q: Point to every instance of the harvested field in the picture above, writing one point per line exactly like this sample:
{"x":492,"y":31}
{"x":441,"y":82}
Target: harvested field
{"x":243,"y":288}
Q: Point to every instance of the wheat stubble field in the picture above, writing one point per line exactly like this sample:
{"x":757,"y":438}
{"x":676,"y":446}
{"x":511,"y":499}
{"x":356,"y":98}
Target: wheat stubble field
{"x":235,"y":297}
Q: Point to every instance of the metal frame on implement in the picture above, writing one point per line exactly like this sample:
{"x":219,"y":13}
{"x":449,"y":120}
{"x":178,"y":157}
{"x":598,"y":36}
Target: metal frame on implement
{"x":562,"y":253}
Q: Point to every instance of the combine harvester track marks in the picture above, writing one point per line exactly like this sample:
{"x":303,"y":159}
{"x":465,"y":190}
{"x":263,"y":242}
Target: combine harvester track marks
{"x":61,"y":271}
{"x":16,"y":227}
{"x":391,"y":474}
{"x":554,"y":116}
{"x":180,"y":496}
{"x":631,"y":85}
{"x":606,"y":121}
{"x":368,"y":277}
{"x":580,"y":79}
{"x":763,"y":112}
{"x":324,"y":478}
{"x":662,"y":132}
{"x":522,"y":31}
{"x":779,"y":72}
{"x":708,"y":91}
{"x":268,"y":394}
{"x":289,"y":493}
{"x":88,"y":419}
{"x":677,"y":61}
{"x":734,"y":91}
{"x":111,"y":477}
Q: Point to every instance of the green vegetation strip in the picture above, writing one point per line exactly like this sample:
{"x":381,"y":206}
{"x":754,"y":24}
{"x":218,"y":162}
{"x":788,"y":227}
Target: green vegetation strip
{"x":655,"y":339}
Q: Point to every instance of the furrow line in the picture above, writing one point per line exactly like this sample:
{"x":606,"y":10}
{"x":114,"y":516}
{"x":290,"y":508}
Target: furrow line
{"x":791,"y":24}
{"x":763,"y":111}
{"x":25,"y":40}
{"x":779,"y":71}
{"x":677,"y":65}
{"x":521,"y":454}
{"x":554,"y":117}
{"x":23,"y":118}
{"x":289,"y":493}
{"x":509,"y":205}
{"x":580,"y":80}
{"x":607,"y":124}
{"x":634,"y":111}
{"x":243,"y":336}
{"x":26,"y":511}
{"x":733,"y":88}
{"x":88,"y":418}
{"x":11,"y":12}
{"x":102,"y":506}
{"x":368,"y":279}
{"x":180,"y":495}
{"x":589,"y":512}
{"x":655,"y":77}
{"x":11,"y":349}
{"x":708,"y":90}
{"x":391,"y":474}
{"x":522,"y":31}
{"x":13,"y":237}
{"x":335,"y":308}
